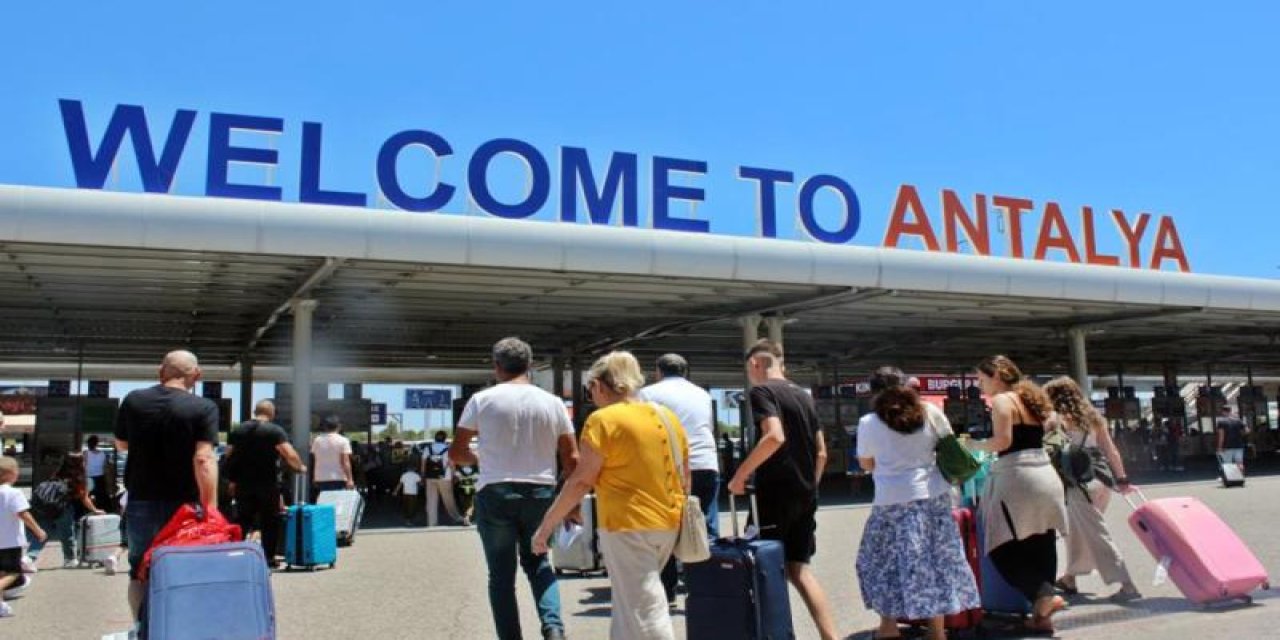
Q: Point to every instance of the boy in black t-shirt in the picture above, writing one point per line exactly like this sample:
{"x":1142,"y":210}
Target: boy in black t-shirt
{"x":787,"y":459}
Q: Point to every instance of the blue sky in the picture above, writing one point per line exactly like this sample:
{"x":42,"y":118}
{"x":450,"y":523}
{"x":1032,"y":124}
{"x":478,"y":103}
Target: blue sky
{"x":1168,"y":108}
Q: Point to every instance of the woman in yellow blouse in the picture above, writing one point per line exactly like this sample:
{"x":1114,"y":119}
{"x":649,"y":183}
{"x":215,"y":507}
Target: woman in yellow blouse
{"x":625,"y":455}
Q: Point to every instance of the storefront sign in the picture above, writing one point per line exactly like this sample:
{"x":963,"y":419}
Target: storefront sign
{"x":606,"y":193}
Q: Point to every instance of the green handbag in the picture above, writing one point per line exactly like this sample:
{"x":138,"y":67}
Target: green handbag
{"x":954,"y":461}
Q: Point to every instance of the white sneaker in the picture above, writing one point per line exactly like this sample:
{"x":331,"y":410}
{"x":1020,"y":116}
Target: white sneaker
{"x":109,"y":566}
{"x":29,"y":565}
{"x":5,"y":610}
{"x":16,"y":591}
{"x":70,"y":564}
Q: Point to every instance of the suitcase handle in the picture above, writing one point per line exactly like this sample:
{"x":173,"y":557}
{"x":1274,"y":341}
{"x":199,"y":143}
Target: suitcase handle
{"x":753,"y":510}
{"x":1128,"y":497}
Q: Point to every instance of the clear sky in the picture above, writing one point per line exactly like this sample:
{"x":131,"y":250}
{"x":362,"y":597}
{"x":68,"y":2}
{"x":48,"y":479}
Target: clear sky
{"x":1168,"y":108}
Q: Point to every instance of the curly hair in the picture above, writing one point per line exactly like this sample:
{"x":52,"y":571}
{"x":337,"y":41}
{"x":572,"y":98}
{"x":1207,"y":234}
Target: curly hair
{"x":1068,"y":400}
{"x":1032,"y":396}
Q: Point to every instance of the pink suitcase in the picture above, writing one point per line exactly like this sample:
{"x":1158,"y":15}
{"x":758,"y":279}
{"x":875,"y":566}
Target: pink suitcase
{"x":1206,"y":560}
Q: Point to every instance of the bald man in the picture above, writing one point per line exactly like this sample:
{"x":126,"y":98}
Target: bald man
{"x":255,"y":450}
{"x":170,"y":434}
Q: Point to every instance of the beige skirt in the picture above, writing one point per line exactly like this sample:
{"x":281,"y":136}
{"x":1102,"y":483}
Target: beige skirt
{"x":1023,"y":497}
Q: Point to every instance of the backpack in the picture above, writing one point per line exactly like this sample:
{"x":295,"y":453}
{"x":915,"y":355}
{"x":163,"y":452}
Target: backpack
{"x":434,"y":460}
{"x":50,"y":498}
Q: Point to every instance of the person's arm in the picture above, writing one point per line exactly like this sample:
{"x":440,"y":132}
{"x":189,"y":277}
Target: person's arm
{"x":772,"y":438}
{"x":291,"y":457}
{"x":346,"y":469}
{"x":460,"y":450}
{"x":206,"y":470}
{"x":820,"y":460}
{"x":567,"y":446}
{"x":1108,"y":446}
{"x":86,"y":501}
{"x":584,"y":478}
{"x":33,"y":526}
{"x":1002,"y":410}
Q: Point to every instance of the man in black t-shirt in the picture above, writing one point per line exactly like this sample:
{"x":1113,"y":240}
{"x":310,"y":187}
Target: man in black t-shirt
{"x":1232,"y":438}
{"x":169,"y":433}
{"x":787,"y":459}
{"x":254,"y":451}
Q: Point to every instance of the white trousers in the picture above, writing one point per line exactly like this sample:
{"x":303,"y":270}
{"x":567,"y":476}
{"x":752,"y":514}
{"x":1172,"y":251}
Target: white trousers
{"x":440,"y":489}
{"x":635,"y":560}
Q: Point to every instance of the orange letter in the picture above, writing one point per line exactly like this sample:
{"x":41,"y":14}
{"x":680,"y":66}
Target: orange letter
{"x":908,"y":198}
{"x":1091,"y":254}
{"x":1060,"y":240}
{"x":1014,"y":207}
{"x":1132,"y":235}
{"x":1168,"y":246}
{"x":953,"y":210}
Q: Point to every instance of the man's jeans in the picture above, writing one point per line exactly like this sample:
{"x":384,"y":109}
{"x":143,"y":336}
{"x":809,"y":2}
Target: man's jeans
{"x":63,"y":526}
{"x":507,"y":514}
{"x":705,"y":486}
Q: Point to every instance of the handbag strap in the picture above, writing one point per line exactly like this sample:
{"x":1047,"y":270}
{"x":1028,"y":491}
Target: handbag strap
{"x":676,"y":458}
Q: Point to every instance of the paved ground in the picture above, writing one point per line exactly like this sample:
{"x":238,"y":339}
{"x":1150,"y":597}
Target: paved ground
{"x":418,"y":583}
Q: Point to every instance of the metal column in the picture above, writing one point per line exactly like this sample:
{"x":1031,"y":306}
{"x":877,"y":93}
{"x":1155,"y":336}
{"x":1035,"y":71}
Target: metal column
{"x":1079,"y":360}
{"x":246,"y":387}
{"x":301,"y":427}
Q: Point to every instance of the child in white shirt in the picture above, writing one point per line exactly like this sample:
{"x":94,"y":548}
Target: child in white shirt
{"x":408,"y":491}
{"x":15,"y":517}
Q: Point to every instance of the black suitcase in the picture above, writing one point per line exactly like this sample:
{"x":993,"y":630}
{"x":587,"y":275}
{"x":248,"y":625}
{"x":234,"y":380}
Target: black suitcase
{"x":741,"y":591}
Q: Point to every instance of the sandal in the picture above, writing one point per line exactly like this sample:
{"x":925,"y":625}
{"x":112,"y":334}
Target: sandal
{"x":1064,"y":587}
{"x":1123,"y":596}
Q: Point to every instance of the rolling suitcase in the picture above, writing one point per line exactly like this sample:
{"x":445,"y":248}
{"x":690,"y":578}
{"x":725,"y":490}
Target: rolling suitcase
{"x":213,"y":591}
{"x":348,"y":507}
{"x":310,"y":535}
{"x":741,"y":591}
{"x":966,"y":521}
{"x":583,"y":554}
{"x":1231,"y":473}
{"x":1204,"y":557}
{"x":99,"y":538}
{"x":999,"y":598}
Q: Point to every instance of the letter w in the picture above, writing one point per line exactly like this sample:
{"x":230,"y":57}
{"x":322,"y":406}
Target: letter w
{"x":93,"y":168}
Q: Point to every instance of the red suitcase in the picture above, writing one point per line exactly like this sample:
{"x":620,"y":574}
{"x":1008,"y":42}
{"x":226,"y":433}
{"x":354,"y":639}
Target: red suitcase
{"x":968,"y":525}
{"x":1205,"y":558}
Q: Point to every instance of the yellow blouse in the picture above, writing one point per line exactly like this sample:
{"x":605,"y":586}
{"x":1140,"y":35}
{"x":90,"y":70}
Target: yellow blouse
{"x":638,"y":488}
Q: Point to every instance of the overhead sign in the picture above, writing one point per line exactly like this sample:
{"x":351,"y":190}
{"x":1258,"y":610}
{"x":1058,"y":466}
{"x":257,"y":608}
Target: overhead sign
{"x":378,"y":415}
{"x":428,"y":398}
{"x":604,"y":190}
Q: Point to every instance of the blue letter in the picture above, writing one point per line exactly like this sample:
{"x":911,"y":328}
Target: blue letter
{"x":540,"y":176}
{"x":389,"y":181}
{"x":663,"y":191}
{"x":575,"y":167}
{"x":92,"y":168}
{"x":309,"y":186}
{"x":853,"y":216}
{"x":222,"y":154}
{"x":766,"y":196}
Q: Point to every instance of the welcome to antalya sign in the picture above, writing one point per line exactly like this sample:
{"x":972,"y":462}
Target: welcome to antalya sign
{"x":610,"y":194}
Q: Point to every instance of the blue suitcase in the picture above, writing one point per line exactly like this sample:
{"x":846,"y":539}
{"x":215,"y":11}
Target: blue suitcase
{"x":740,"y":592}
{"x":999,"y":598}
{"x":192,"y":589}
{"x":311,"y":536}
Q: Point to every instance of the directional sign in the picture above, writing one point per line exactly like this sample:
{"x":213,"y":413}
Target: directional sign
{"x":428,"y":398}
{"x":379,"y":413}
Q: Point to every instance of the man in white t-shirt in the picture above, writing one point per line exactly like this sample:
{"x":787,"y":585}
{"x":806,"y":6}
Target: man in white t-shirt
{"x":692,"y":406}
{"x":95,"y":467}
{"x":522,"y":431}
{"x":331,"y":458}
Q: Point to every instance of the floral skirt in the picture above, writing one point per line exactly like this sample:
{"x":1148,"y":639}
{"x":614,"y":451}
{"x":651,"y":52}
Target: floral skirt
{"x":911,"y":562}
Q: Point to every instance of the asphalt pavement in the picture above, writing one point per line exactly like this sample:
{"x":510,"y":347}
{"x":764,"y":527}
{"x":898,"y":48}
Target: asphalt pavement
{"x":414,"y":582}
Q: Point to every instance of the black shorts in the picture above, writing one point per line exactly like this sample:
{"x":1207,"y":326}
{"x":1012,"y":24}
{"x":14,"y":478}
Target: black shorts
{"x":11,"y":560}
{"x":791,"y":521}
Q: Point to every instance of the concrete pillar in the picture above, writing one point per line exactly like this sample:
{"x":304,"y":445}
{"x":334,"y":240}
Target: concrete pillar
{"x":750,"y":330}
{"x":1079,"y":360}
{"x":774,"y":325}
{"x":302,"y":313}
{"x":246,"y":387}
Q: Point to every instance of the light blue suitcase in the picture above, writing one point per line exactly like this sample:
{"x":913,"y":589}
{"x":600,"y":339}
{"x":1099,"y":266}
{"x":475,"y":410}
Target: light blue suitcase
{"x":311,"y":536}
{"x":191,"y":590}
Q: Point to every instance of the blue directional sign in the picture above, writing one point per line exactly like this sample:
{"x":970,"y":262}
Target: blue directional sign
{"x":428,"y":398}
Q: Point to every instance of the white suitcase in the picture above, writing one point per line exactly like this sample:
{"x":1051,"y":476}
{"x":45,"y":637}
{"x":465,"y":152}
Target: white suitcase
{"x":583,"y":555}
{"x":348,"y":507}
{"x":99,"y":538}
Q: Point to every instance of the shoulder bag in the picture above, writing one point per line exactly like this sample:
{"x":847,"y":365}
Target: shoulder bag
{"x":692,"y":544}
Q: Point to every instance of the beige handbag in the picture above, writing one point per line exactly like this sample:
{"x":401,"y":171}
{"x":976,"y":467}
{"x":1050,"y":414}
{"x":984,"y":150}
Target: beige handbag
{"x":692,"y":544}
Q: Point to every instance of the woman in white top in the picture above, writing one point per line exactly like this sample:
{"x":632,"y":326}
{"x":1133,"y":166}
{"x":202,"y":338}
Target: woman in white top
{"x":911,"y":563}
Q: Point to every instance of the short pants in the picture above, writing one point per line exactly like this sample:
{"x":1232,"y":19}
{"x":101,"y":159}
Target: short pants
{"x":792,"y":521}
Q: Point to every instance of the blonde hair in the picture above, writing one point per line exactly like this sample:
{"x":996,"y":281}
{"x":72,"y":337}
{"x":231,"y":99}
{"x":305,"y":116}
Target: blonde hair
{"x":1069,"y":401}
{"x":8,"y":467}
{"x":619,"y":371}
